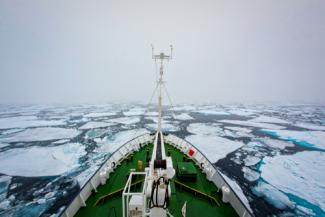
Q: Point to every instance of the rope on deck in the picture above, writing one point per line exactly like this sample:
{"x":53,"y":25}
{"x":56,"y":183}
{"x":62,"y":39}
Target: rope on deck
{"x":197,"y":191}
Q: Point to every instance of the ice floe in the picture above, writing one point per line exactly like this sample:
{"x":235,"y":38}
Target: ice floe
{"x":99,"y":114}
{"x":95,"y":124}
{"x":2,"y":145}
{"x":267,"y":119}
{"x":311,"y":139}
{"x":41,"y":161}
{"x":238,"y":131}
{"x":113,"y":142}
{"x":276,"y":144}
{"x":300,"y":174}
{"x":126,"y":120}
{"x":41,"y":134}
{"x":27,"y":121}
{"x":207,"y":140}
{"x":134,"y":112}
{"x":273,"y":195}
{"x":242,"y":112}
{"x":250,"y":175}
{"x":61,"y":141}
{"x":310,"y":126}
{"x":4,"y":183}
{"x":212,"y":112}
{"x":205,"y":129}
{"x":95,"y":133}
{"x":251,"y":160}
{"x":183,"y":108}
{"x":253,"y":124}
{"x":151,"y":114}
{"x":165,"y":127}
{"x":183,"y":116}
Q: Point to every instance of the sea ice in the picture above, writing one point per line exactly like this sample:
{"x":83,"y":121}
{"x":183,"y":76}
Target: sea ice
{"x":134,"y":112}
{"x":300,"y":174}
{"x":183,"y":108}
{"x":304,"y":138}
{"x":99,"y":114}
{"x":267,"y":119}
{"x":59,"y":142}
{"x":206,"y":139}
{"x":278,"y":144}
{"x":212,"y":112}
{"x":251,"y":160}
{"x":273,"y":195}
{"x":183,"y":116}
{"x":4,"y":183}
{"x":95,"y":124}
{"x":151,"y":114}
{"x":41,"y":134}
{"x":239,"y":131}
{"x":41,"y":161}
{"x":250,"y":175}
{"x":205,"y":129}
{"x":95,"y":133}
{"x":242,"y":112}
{"x":310,"y":126}
{"x":2,"y":145}
{"x":27,"y":121}
{"x":126,"y":120}
{"x":113,"y":142}
{"x":4,"y":205}
{"x":253,"y":124}
{"x":166,"y":127}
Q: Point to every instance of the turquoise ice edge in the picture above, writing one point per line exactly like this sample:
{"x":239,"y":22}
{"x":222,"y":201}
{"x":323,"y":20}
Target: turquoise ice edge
{"x":293,"y":140}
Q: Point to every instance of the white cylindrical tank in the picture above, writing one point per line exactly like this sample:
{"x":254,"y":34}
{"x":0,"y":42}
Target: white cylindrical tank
{"x":225,"y":194}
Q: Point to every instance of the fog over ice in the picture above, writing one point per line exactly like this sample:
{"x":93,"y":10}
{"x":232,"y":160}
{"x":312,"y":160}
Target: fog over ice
{"x":99,"y":51}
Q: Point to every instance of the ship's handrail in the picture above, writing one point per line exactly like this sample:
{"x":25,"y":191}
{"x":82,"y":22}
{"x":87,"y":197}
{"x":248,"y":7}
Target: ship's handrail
{"x":248,"y":209}
{"x":63,"y":212}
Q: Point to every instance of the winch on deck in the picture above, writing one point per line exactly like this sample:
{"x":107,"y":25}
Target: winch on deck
{"x":154,"y":197}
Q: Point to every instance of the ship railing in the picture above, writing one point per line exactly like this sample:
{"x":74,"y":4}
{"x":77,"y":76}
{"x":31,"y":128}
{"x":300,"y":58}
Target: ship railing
{"x":212,"y":173}
{"x":103,"y":172}
{"x":128,"y":194}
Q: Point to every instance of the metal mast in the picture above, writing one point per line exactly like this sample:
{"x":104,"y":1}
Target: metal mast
{"x":161,"y":57}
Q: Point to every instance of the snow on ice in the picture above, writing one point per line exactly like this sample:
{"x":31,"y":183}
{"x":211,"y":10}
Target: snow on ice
{"x":253,"y":124}
{"x":207,"y":140}
{"x":95,"y":124}
{"x":304,"y":170}
{"x":27,"y":121}
{"x":112,"y":143}
{"x":126,"y":120}
{"x":314,"y":139}
{"x":41,"y":161}
{"x":250,"y":175}
{"x":267,"y":119}
{"x":41,"y":134}
{"x":273,"y":195}
{"x":183,"y":116}
{"x":98,"y":114}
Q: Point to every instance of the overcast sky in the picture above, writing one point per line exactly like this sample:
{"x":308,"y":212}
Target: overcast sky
{"x":224,"y":51}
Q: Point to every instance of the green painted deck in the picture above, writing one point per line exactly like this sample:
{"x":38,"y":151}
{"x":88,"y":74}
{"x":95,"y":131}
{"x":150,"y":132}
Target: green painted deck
{"x":197,"y":204}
